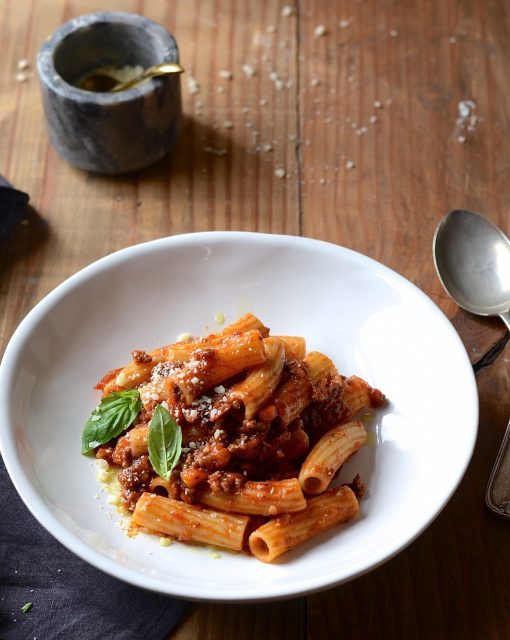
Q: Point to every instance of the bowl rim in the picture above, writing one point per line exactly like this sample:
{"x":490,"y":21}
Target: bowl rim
{"x":50,"y":77}
{"x":51,"y":523}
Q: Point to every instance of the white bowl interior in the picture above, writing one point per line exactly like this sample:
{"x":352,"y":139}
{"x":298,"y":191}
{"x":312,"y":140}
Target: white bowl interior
{"x":371,"y":321}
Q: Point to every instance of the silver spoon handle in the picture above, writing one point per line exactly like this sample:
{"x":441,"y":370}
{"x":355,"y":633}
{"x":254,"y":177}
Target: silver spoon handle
{"x":497,"y":496}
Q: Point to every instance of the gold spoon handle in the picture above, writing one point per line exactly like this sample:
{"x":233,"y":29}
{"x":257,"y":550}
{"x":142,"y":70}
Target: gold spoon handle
{"x":164,"y":69}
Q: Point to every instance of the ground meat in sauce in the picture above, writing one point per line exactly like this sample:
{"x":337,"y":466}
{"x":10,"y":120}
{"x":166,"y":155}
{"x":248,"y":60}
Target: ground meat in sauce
{"x":212,"y":456}
{"x":134,"y":480}
{"x":122,"y":453}
{"x":376,"y":397}
{"x":105,"y":453}
{"x":250,"y":447}
{"x":142,"y":357}
{"x":226,"y":481}
{"x":326,"y":408}
{"x":358,"y":488}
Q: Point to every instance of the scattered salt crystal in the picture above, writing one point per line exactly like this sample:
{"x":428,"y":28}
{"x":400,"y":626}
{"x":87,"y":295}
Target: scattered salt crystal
{"x":280,"y":173}
{"x":467,"y":120}
{"x":466,"y":107}
{"x":322,"y":180}
{"x":193,"y":86}
{"x":267,"y":147}
{"x":21,"y":77}
{"x":249,"y":71}
{"x":22,"y":64}
{"x":378,"y":104}
{"x":228,"y":124}
{"x":262,"y":102}
{"x":452,"y":40}
{"x":372,"y":119}
{"x":344,"y":24}
{"x":393,"y":33}
{"x":184,"y":337}
{"x":217,"y":433}
{"x":215,"y":152}
{"x":315,"y":82}
{"x":349,"y":165}
{"x":271,"y":28}
{"x":226,"y":74}
{"x":219,"y":389}
{"x":319,"y":31}
{"x":287,"y":11}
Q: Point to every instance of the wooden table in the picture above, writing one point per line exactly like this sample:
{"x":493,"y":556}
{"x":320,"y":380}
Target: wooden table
{"x":362,"y":123}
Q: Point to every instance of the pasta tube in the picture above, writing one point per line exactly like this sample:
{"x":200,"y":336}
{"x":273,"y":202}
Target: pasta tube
{"x":329,"y":454}
{"x":287,"y":531}
{"x":189,"y":522}
{"x":137,"y":373}
{"x":212,"y":365}
{"x":295,"y":347}
{"x":290,"y":398}
{"x":356,"y":395}
{"x":319,"y":366}
{"x":261,"y":381}
{"x":138,"y":440}
{"x":258,"y":498}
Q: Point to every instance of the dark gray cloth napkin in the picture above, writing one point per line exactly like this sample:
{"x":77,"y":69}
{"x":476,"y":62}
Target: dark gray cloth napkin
{"x":12,"y":207}
{"x":48,"y":593}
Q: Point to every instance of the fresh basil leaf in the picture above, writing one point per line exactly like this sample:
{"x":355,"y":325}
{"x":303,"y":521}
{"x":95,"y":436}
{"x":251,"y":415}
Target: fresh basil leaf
{"x":165,"y":442}
{"x":115,"y":413}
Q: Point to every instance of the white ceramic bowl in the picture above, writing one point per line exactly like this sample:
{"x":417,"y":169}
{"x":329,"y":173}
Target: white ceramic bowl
{"x":370,"y":320}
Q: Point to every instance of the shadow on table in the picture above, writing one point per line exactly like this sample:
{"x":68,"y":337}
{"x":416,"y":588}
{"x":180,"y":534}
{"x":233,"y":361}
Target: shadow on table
{"x":206,"y":166}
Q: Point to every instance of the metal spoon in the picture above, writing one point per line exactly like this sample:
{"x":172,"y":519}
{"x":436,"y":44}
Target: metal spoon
{"x":472,"y":259}
{"x":105,"y":83}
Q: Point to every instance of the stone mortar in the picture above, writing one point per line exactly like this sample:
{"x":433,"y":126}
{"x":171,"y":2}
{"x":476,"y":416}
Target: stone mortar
{"x":109,"y":133}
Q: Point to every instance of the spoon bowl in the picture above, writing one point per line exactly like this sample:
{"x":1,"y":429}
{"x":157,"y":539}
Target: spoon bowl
{"x":472,"y":260}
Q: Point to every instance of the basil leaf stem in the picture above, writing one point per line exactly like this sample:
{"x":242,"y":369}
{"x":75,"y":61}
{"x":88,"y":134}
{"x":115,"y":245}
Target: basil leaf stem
{"x":164,"y":441}
{"x":112,"y":416}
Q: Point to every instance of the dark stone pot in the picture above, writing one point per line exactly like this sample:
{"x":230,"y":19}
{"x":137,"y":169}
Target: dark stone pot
{"x":109,"y":133}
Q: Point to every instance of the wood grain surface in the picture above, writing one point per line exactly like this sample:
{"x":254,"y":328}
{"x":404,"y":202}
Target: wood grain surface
{"x":362,"y":123}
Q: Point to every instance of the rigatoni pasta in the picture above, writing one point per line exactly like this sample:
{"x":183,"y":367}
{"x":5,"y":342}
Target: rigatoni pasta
{"x":329,"y":454}
{"x":286,"y":532}
{"x":233,"y":439}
